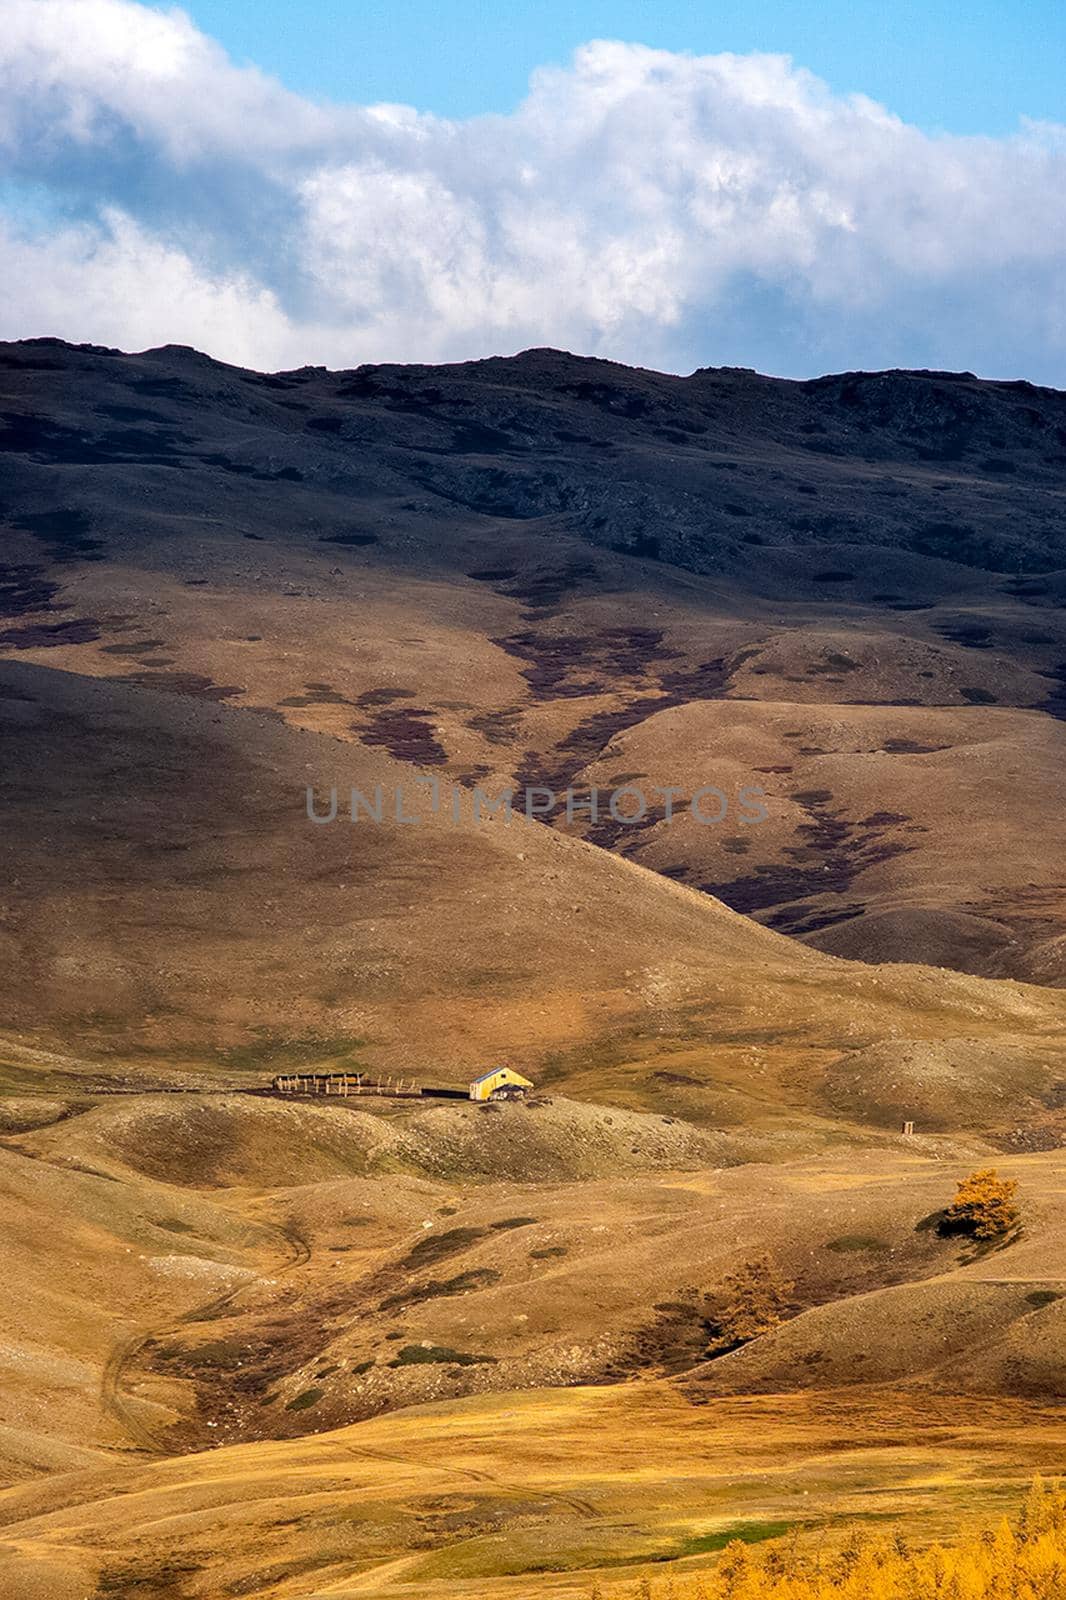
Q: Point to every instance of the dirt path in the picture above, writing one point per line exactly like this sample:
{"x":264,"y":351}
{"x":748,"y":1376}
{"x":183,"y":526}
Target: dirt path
{"x":513,"y":1490}
{"x":116,"y":1404}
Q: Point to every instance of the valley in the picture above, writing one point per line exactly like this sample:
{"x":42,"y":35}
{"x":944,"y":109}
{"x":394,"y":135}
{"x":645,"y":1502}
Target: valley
{"x":463,"y":1350}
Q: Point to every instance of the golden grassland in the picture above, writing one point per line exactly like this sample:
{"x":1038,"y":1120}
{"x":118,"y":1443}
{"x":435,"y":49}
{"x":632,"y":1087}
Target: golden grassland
{"x":1023,"y":1558}
{"x":221,"y":1401}
{"x":283,"y":1351}
{"x":528,"y":1494}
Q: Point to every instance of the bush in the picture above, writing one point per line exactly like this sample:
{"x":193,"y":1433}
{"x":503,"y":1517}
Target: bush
{"x":983,"y":1206}
{"x":308,"y":1397}
{"x":421,"y":1355}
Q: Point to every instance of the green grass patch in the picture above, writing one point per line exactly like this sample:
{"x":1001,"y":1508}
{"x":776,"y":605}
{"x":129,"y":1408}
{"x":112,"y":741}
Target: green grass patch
{"x":437,"y":1246}
{"x":308,"y":1397}
{"x":463,"y":1283}
{"x":699,"y":1544}
{"x":222,"y":1355}
{"x":538,"y":1550}
{"x":421,"y":1355}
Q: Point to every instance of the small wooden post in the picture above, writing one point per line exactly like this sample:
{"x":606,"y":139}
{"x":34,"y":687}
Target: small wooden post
{"x":908,"y":1130}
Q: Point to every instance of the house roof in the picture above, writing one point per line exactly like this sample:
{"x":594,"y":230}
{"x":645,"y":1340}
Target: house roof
{"x":494,"y":1072}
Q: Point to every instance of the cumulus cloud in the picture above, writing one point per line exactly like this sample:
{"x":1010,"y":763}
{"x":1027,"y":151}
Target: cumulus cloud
{"x":667,"y":209}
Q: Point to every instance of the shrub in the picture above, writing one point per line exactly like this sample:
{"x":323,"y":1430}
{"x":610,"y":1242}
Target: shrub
{"x":308,"y":1397}
{"x":983,"y":1206}
{"x":420,"y":1355}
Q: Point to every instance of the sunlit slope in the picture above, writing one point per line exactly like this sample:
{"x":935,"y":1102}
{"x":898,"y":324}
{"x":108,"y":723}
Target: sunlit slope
{"x":515,"y":1495}
{"x":237,"y":1269}
{"x":86,"y":1260}
{"x":887,"y":831}
{"x":168,"y":893}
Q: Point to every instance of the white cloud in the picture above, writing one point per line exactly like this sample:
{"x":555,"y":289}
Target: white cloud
{"x":120,"y":286}
{"x":662,"y":208}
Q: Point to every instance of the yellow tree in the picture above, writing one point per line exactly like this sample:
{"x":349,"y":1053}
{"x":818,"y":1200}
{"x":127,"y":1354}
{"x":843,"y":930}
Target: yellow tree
{"x":983,"y":1206}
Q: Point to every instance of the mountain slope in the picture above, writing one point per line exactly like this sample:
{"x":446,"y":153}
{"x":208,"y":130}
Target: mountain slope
{"x":170,"y":902}
{"x":536,"y":569}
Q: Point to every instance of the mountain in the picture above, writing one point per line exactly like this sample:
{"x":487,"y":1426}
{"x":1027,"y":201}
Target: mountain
{"x":547,"y":570}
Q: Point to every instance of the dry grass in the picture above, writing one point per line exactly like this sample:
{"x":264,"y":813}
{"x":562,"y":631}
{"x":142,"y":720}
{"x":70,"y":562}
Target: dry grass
{"x":261,"y":1319}
{"x":526,"y":1494}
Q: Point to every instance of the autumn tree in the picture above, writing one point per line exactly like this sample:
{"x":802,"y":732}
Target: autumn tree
{"x":734,"y":1568}
{"x":983,"y":1206}
{"x":754,"y":1299}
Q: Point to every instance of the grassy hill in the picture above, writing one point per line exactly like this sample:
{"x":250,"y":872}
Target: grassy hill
{"x":320,"y":1351}
{"x":171,"y":907}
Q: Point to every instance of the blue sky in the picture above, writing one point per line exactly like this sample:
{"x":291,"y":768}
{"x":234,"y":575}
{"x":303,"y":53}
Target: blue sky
{"x":967,"y":68}
{"x":800,"y":189}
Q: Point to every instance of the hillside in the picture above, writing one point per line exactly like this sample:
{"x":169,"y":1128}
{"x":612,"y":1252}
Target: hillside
{"x":543,"y":569}
{"x":477,"y":1340}
{"x":172,"y":908}
{"x":322,"y":1361}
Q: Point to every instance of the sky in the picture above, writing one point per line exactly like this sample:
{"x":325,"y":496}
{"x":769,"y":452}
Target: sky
{"x":796,"y":188}
{"x":967,"y":68}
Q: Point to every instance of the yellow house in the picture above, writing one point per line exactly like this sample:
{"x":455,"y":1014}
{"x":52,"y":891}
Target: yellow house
{"x":500,"y":1083}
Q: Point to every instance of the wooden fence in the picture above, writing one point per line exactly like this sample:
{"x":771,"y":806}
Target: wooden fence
{"x":344,"y":1084}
